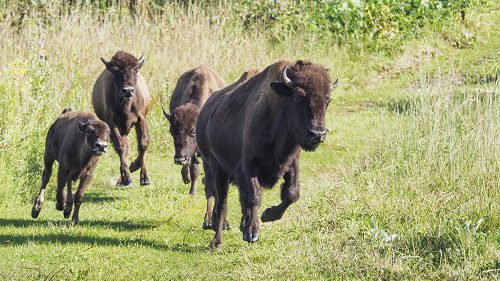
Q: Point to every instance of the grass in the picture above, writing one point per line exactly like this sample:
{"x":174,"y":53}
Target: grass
{"x":406,"y":185}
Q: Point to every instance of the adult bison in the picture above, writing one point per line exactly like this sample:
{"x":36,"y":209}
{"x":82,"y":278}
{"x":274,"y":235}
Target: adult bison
{"x":254,"y":134}
{"x":75,"y":140}
{"x":207,"y":222}
{"x":121,"y":99}
{"x":192,"y":90}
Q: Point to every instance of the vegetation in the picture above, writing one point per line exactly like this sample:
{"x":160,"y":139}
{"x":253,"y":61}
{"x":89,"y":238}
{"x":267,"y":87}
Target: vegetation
{"x":406,"y":185}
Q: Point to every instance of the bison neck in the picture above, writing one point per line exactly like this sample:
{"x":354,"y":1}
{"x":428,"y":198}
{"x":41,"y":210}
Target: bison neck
{"x":124,"y":116}
{"x":83,"y":161}
{"x":275,"y":152}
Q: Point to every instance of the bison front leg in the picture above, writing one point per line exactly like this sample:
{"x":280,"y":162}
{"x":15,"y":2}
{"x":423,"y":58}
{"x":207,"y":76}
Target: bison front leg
{"x":221,"y":187}
{"x":290,"y":193}
{"x":185,"y":174}
{"x":121,"y":146}
{"x":78,"y":198}
{"x":62,"y":179}
{"x":250,"y":197}
{"x":194,"y":172}
{"x":47,"y":172}
{"x":141,"y":128}
{"x":69,"y":200}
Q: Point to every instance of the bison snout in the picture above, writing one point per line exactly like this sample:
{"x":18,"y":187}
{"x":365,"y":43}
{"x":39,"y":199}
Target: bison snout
{"x":183,"y":160}
{"x":317,"y":135}
{"x":100,"y":147}
{"x":128,"y":91}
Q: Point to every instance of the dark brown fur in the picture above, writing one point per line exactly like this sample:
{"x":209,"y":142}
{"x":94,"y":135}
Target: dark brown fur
{"x":121,"y":99}
{"x":207,"y":222}
{"x":75,"y":141}
{"x":254,"y":134}
{"x":192,"y":90}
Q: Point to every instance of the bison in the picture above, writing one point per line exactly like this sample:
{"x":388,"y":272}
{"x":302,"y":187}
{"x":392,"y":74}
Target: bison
{"x":121,"y":99}
{"x":192,"y":90}
{"x":208,"y":220}
{"x":75,"y":141}
{"x":254,"y":134}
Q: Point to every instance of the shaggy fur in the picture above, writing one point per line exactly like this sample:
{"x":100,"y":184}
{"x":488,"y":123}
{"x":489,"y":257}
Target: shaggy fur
{"x":75,"y":140}
{"x":253,"y":136}
{"x":192,"y":90}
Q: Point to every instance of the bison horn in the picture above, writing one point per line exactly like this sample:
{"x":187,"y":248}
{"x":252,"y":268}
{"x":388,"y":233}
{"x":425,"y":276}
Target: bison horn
{"x":140,"y":61}
{"x":287,"y":81}
{"x":165,"y":113}
{"x":335,"y":84}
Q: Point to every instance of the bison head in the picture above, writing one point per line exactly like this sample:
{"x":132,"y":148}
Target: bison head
{"x":124,"y":68}
{"x":182,"y":128}
{"x":306,"y":88}
{"x":96,"y":135}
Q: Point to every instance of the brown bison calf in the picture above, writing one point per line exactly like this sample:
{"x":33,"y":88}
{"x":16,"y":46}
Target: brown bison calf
{"x":75,"y":140}
{"x":191,"y":91}
{"x":121,"y":99}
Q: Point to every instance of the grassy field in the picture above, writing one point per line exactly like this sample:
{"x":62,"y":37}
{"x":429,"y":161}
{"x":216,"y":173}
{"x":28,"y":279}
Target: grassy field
{"x":406,"y":186}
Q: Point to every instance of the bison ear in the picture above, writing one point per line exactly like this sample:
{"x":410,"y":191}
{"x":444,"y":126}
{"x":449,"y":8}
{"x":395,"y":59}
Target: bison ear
{"x":140,"y":62}
{"x":82,"y":125}
{"x":165,"y":113}
{"x":280,"y":88}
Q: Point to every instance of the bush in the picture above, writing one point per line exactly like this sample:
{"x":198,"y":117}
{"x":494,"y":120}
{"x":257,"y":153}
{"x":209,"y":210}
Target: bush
{"x":377,"y":23}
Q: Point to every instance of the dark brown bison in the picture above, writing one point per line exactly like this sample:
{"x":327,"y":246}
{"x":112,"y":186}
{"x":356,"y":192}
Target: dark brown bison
{"x":254,"y":134}
{"x":207,"y":222}
{"x":121,"y":99}
{"x":192,"y":90}
{"x":75,"y":140}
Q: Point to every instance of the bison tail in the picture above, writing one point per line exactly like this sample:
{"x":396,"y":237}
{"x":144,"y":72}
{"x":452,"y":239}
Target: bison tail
{"x":67,"y":109}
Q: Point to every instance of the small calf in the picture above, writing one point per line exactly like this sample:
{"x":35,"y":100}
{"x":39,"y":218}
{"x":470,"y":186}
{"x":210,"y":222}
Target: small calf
{"x":75,"y":140}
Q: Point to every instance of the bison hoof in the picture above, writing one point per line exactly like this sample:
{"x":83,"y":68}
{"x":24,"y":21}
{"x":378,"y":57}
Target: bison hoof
{"x":206,"y":225}
{"x":216,"y":243}
{"x":74,"y":221}
{"x":124,"y":182}
{"x":268,"y":215}
{"x":250,"y":237}
{"x":226,"y":226}
{"x":143,"y":182}
{"x":67,"y":212}
{"x":35,"y":212}
{"x":59,"y":206}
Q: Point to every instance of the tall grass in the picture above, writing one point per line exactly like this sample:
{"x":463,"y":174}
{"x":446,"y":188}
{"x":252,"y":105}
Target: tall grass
{"x":405,"y":187}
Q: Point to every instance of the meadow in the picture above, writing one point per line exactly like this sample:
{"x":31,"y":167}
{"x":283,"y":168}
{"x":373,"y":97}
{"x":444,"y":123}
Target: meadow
{"x":406,"y":185}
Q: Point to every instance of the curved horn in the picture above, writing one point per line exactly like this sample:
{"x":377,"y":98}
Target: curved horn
{"x":335,"y":84}
{"x":140,"y":61}
{"x":284,"y":78}
{"x":165,"y":113}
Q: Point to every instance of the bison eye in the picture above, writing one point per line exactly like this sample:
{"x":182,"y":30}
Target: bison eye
{"x":192,"y":134}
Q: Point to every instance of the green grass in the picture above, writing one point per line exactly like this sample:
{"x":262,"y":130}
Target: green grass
{"x":406,"y":185}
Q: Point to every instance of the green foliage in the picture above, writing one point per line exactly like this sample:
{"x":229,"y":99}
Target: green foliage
{"x":376,"y":24}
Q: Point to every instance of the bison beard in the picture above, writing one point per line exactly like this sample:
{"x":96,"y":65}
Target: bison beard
{"x":253,"y":135}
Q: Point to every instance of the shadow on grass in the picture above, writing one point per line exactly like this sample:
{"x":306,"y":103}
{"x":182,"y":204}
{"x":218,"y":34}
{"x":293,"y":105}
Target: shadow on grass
{"x":92,"y":241}
{"x":99,"y":198}
{"x":115,"y":225}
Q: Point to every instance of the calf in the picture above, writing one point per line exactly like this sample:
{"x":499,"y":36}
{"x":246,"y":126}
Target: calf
{"x":75,"y":141}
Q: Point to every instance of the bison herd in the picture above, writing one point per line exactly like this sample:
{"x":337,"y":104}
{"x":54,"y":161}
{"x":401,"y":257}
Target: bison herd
{"x":249,"y":133}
